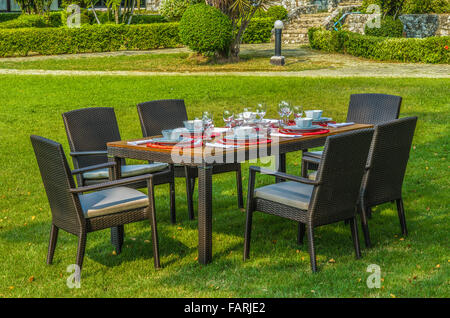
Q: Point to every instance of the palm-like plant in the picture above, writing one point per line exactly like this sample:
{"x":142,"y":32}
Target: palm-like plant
{"x":240,"y":12}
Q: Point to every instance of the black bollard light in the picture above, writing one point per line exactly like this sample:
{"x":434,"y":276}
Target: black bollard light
{"x":278,"y":59}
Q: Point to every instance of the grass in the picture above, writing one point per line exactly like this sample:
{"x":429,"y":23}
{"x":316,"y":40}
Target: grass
{"x":173,"y":62}
{"x":413,"y":266}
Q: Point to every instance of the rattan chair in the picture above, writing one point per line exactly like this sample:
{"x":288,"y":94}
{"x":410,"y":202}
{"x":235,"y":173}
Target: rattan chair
{"x":88,"y":130}
{"x":363,"y":109}
{"x":78,"y":212}
{"x":331,"y":198}
{"x":386,"y":166}
{"x":158,"y":115}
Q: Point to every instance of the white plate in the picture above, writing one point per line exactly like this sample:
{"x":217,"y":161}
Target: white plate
{"x":313,"y":127}
{"x":252,"y":137}
{"x":323,"y":119}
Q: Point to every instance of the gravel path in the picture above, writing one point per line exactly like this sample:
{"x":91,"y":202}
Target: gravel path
{"x":342,"y":65}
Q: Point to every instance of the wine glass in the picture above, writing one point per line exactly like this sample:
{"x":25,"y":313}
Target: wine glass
{"x":228,"y":117}
{"x":284,"y":110}
{"x":298,"y":111}
{"x":247,"y":114}
{"x":261,"y":110}
{"x":207,"y":120}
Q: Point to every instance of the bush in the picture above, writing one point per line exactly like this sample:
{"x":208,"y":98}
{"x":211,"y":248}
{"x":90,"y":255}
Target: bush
{"x":259,"y":30}
{"x":274,"y":12}
{"x":33,"y":20}
{"x":388,"y":7}
{"x":390,"y":27}
{"x":89,"y":38}
{"x":426,"y":6}
{"x":428,"y":50}
{"x":173,"y":10}
{"x":205,"y":29}
{"x":8,"y":16}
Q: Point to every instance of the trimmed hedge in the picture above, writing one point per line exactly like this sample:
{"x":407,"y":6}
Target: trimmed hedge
{"x":8,"y":16}
{"x":390,"y":27}
{"x":259,"y":30}
{"x":428,"y":50}
{"x":51,"y":20}
{"x":90,"y":38}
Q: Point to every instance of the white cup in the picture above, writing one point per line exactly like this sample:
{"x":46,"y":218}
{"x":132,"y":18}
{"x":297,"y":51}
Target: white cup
{"x":243,"y":131}
{"x":303,"y":122}
{"x":314,"y":114}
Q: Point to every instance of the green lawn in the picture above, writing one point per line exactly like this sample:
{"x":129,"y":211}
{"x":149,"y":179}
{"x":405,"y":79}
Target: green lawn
{"x":414,"y":266}
{"x":173,"y":62}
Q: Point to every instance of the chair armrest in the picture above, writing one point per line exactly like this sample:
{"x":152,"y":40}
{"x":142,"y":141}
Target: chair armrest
{"x":284,"y":176}
{"x":88,"y":153}
{"x":94,"y":167}
{"x":310,"y":159}
{"x":111,"y":184}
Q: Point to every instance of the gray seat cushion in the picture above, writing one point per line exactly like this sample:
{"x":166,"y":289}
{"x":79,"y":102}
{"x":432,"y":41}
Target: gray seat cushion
{"x":111,"y":201}
{"x":314,"y":154}
{"x":126,"y":170}
{"x":312,"y":175}
{"x":290,"y":193}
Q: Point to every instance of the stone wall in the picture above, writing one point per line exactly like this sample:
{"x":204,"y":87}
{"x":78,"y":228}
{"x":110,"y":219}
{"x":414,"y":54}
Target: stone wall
{"x":153,"y":5}
{"x":415,"y":25}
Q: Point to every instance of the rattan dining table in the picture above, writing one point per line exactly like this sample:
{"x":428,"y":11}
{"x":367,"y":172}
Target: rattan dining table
{"x":205,"y":157}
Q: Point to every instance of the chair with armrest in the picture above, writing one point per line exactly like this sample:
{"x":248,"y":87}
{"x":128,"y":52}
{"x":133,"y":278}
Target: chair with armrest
{"x":90,"y":208}
{"x":159,"y":115}
{"x":331,"y":198}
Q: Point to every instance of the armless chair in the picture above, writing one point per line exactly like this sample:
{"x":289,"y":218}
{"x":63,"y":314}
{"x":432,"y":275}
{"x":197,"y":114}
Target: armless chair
{"x":159,"y":115}
{"x":363,"y":109}
{"x":386,"y":166}
{"x":331,"y":198}
{"x":106,"y":205}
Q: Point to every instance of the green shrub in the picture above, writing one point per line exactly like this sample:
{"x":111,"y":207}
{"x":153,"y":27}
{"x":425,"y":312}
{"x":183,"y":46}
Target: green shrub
{"x":205,"y":29}
{"x":390,"y":27}
{"x":33,"y":20}
{"x":426,"y":6}
{"x":147,"y":19}
{"x":259,"y":30}
{"x":89,"y":38}
{"x":274,"y":12}
{"x":173,"y":10}
{"x":428,"y":50}
{"x":388,"y":7}
{"x":85,"y":17}
{"x":8,"y":16}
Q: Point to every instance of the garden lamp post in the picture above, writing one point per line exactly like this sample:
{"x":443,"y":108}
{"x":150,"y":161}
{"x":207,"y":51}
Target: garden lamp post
{"x":278,"y":59}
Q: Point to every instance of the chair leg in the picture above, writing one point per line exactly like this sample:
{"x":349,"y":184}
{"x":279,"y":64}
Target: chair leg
{"x":189,"y":191}
{"x":304,"y":169}
{"x":301,"y":233}
{"x":312,"y":251}
{"x":401,"y":216}
{"x":248,"y":231}
{"x":173,"y":216}
{"x":52,"y":243}
{"x":153,"y":224}
{"x":365,"y":226}
{"x":369,"y":213}
{"x":355,"y":236}
{"x":239,"y":188}
{"x":117,"y":236}
{"x":81,"y":248}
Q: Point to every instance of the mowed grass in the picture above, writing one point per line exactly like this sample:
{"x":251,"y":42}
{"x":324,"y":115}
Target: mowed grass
{"x":413,"y":266}
{"x":174,"y":62}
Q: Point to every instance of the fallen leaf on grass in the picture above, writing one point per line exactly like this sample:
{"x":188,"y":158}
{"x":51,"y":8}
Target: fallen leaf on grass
{"x":331,"y":260}
{"x":146,"y":241}
{"x":31,"y":279}
{"x":11,"y":287}
{"x":438,"y":265}
{"x":392,"y":296}
{"x":114,"y":253}
{"x":33,"y":217}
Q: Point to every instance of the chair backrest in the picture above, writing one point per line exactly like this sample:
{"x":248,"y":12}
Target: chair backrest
{"x":387,"y":161}
{"x":373,"y":108}
{"x":89,"y":129}
{"x":57,"y":181}
{"x":157,"y":115}
{"x":340,"y":173}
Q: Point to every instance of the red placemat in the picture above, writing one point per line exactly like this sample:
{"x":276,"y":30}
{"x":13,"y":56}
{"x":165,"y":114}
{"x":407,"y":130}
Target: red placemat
{"x":310,"y":133}
{"x":159,"y":146}
{"x":238,"y":143}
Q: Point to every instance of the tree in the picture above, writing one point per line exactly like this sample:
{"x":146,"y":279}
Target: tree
{"x":240,"y":13}
{"x":34,"y":6}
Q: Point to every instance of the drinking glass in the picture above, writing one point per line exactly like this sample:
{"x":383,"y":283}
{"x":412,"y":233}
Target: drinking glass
{"x":284,"y":110}
{"x":228,"y":117}
{"x":207,"y":120}
{"x":298,"y":111}
{"x":261,"y":110}
{"x":247,"y":115}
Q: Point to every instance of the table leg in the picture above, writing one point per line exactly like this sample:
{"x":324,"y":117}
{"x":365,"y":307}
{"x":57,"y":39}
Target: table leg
{"x":204,"y":214}
{"x":117,"y":232}
{"x":280,"y":163}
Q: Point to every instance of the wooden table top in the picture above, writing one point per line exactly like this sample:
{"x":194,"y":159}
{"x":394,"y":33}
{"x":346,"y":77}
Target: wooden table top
{"x":200,"y":151}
